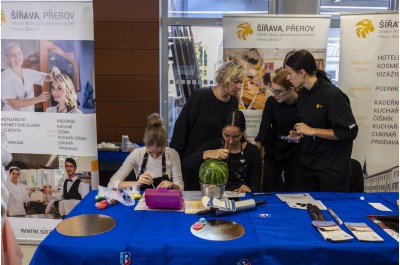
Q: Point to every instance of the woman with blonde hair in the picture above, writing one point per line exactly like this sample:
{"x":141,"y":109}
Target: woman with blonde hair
{"x":63,"y":92}
{"x":201,"y":117}
{"x":281,"y":157}
{"x":155,"y":164}
{"x":17,"y":83}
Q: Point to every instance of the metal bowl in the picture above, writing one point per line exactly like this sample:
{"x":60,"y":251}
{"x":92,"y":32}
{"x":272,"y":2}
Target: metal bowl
{"x":212,"y":190}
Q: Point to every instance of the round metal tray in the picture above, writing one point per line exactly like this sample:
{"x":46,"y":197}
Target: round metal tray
{"x":86,"y":225}
{"x":219,"y":230}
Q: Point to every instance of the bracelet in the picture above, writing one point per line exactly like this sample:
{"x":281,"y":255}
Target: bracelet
{"x":314,"y":131}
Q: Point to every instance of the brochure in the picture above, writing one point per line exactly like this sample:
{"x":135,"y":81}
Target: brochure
{"x":363,"y":232}
{"x":389,"y":224}
{"x":330,"y":231}
{"x":300,"y":200}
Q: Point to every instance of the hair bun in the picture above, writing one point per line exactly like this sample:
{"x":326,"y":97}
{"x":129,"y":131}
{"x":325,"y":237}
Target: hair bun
{"x":154,"y":120}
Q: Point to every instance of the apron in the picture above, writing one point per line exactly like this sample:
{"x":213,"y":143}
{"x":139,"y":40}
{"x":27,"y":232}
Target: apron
{"x":156,"y":181}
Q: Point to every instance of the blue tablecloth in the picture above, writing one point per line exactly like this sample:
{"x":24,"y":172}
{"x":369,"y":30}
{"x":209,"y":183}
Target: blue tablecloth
{"x":286,"y":237}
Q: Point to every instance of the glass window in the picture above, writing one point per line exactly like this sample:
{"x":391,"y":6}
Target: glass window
{"x":214,"y":9}
{"x":194,"y":55}
{"x":335,"y":7}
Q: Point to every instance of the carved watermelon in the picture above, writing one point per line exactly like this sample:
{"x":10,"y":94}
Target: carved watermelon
{"x":213,"y":171}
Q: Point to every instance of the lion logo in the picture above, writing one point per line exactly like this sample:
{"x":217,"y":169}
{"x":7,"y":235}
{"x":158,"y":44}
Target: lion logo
{"x":364,"y":27}
{"x":244,"y":30}
{"x":3,"y":17}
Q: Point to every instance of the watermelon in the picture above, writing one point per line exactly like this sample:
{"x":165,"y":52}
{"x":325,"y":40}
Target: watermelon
{"x":214,"y":172}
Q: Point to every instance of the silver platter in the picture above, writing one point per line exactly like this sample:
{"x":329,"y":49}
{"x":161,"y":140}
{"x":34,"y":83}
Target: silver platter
{"x":219,"y":230}
{"x":86,"y":225}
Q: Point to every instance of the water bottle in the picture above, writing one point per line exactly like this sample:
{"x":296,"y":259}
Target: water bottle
{"x":125,"y":143}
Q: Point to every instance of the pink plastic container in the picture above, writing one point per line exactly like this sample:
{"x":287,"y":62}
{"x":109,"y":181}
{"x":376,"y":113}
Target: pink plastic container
{"x":164,"y":198}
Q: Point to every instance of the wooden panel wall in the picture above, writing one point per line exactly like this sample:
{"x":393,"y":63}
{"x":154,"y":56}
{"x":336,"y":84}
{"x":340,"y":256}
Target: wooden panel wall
{"x":126,"y":41}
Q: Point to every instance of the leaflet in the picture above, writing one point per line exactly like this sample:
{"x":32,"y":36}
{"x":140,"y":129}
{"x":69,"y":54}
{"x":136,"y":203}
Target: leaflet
{"x":330,"y":231}
{"x":363,"y":232}
{"x":300,"y":200}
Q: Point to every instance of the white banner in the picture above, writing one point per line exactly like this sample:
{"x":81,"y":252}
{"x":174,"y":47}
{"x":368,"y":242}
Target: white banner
{"x":60,"y":21}
{"x":260,"y":43}
{"x":50,"y":133}
{"x":369,"y":75}
{"x":48,"y":112}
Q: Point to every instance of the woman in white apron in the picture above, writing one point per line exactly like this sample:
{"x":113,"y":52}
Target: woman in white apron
{"x":18,"y":194}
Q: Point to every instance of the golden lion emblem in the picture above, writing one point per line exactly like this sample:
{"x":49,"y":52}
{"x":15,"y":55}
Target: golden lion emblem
{"x":244,"y":30}
{"x":3,"y":17}
{"x":364,"y":27}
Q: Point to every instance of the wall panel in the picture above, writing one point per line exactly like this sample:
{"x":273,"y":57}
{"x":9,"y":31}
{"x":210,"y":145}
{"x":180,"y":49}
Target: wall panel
{"x":127,"y":88}
{"x":137,"y":36}
{"x":126,"y":35}
{"x":126,"y":10}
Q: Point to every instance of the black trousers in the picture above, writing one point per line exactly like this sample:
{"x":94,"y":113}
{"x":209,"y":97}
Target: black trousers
{"x":280,"y":179}
{"x":310,"y":180}
{"x":191,"y":178}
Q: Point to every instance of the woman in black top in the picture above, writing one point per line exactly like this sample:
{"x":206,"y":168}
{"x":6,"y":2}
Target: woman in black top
{"x":327,"y":126}
{"x":243,"y":158}
{"x":201,"y":117}
{"x":281,"y":157}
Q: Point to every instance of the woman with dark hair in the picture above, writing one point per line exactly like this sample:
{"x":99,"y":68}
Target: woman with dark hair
{"x":281,"y":156}
{"x":243,"y":158}
{"x":327,"y":126}
{"x":155,"y":164}
{"x":200,"y":119}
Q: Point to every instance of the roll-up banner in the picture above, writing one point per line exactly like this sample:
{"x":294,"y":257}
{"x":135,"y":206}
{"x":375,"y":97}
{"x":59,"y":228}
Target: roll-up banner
{"x":260,"y":43}
{"x":48,"y":112}
{"x":369,"y":75}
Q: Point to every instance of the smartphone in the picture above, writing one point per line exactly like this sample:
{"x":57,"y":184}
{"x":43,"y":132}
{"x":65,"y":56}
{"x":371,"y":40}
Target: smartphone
{"x":289,"y":139}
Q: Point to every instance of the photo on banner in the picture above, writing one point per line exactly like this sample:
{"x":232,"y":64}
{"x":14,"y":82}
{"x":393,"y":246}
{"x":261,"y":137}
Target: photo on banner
{"x":369,"y":75}
{"x":48,"y":111}
{"x":260,"y":44}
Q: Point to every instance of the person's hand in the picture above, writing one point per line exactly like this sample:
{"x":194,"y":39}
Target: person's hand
{"x":45,"y":96}
{"x":220,"y":154}
{"x":145,"y":179}
{"x":166,"y":184}
{"x":54,"y":72}
{"x":30,"y":191}
{"x":243,"y":188}
{"x":46,"y":191}
{"x":302,"y":128}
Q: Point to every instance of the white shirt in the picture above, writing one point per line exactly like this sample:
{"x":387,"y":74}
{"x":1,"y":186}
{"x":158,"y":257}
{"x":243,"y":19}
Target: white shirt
{"x":17,"y":197}
{"x":54,"y":110}
{"x":83,"y":188}
{"x":153,"y":167}
{"x":12,"y":86}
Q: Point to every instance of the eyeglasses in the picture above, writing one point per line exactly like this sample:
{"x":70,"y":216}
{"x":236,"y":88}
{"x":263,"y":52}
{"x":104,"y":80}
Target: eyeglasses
{"x":277,"y":92}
